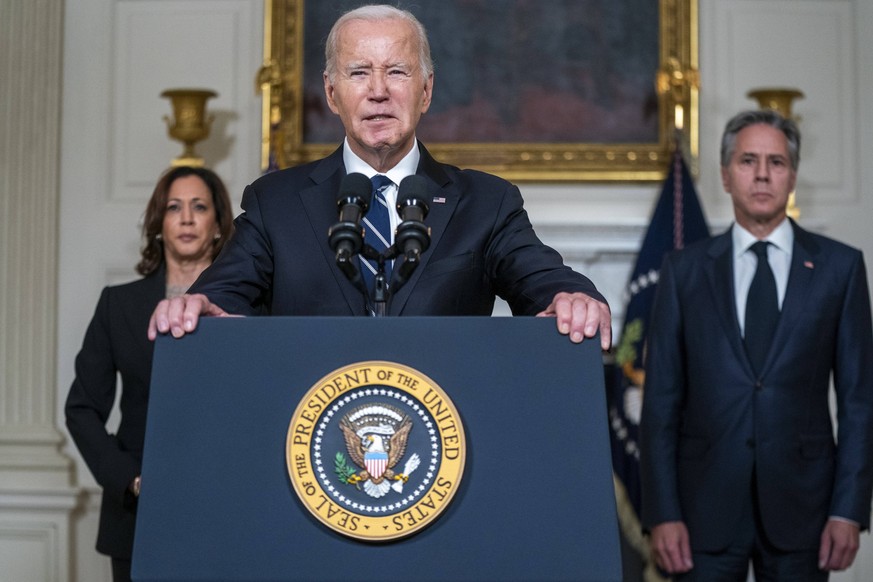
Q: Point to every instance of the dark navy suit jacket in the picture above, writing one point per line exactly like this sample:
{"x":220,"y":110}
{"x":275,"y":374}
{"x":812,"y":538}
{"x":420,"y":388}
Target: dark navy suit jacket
{"x":116,"y":343}
{"x":710,"y":425}
{"x":279,"y":261}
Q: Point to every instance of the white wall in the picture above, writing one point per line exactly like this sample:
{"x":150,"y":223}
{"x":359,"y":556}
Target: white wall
{"x":118,"y":56}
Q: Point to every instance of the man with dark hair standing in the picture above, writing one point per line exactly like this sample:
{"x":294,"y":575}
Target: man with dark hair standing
{"x":379,"y":79}
{"x":739,"y":460}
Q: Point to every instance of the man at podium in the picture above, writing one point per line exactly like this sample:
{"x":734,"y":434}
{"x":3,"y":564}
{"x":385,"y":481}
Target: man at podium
{"x":479,"y":242}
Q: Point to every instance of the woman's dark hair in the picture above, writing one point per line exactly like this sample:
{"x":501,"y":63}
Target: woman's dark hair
{"x":153,"y":250}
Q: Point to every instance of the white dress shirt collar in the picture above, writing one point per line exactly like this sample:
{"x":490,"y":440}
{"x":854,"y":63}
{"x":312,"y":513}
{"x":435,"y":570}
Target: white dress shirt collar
{"x":405,"y":167}
{"x":782,"y":238}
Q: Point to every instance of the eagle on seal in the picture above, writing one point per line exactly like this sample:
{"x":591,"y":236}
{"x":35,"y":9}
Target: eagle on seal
{"x":377,"y":448}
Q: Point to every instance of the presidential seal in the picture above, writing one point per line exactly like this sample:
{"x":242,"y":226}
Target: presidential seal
{"x":375,"y":451}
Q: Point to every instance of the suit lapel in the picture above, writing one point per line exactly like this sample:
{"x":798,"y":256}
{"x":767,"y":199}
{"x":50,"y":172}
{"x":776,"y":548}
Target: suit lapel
{"x":720,"y":274}
{"x":139,"y":301}
{"x":142,"y":297}
{"x":442,"y":198}
{"x":319,"y":203}
{"x":801,"y":277}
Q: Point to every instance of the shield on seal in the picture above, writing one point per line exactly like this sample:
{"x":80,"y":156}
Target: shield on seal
{"x":376,"y":463}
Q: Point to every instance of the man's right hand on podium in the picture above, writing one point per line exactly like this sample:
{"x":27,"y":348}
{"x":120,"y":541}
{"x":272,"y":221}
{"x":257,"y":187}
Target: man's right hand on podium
{"x":179,"y":315}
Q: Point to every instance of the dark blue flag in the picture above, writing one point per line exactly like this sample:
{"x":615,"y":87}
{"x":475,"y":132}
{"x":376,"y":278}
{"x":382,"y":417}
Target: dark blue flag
{"x":677,"y":221}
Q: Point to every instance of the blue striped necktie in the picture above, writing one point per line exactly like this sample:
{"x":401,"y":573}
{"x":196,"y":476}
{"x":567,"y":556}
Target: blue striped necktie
{"x":377,"y":227}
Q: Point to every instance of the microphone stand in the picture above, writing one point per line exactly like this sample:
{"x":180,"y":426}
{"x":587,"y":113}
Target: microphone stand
{"x":381,"y":291}
{"x":408,"y":231}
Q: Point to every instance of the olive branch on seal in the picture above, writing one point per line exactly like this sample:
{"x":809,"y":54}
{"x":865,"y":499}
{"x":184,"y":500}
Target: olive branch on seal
{"x":343,"y":470}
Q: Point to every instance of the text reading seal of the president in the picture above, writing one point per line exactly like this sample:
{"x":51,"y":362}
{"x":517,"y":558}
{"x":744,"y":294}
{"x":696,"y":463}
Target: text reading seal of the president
{"x":375,"y":450}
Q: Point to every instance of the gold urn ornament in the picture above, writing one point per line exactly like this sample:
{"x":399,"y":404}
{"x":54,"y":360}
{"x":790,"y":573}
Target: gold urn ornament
{"x":190,"y":123}
{"x":776,"y":98}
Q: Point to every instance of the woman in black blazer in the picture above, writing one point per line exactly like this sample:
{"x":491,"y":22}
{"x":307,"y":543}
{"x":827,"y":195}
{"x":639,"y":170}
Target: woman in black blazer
{"x":187,"y":221}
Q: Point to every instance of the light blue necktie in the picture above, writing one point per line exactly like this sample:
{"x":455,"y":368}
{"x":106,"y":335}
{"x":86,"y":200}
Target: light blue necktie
{"x":377,"y":230}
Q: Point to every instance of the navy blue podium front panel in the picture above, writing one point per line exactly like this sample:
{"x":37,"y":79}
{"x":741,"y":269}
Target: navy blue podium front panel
{"x":535,"y":502}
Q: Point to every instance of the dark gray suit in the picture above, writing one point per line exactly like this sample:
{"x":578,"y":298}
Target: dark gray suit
{"x":710,"y":425}
{"x":482,"y":244}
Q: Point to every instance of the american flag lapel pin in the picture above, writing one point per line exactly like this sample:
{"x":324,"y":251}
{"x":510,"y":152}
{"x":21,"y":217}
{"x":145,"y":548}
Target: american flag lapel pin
{"x":439,"y":200}
{"x":808,"y":265}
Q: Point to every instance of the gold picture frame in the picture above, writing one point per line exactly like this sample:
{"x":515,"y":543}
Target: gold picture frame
{"x":676,"y":84}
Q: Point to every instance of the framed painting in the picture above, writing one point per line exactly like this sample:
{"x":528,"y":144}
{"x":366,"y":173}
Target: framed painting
{"x":548,"y":90}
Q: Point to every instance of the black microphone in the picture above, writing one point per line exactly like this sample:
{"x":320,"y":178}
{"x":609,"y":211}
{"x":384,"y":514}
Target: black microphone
{"x":412,"y":198}
{"x":346,"y":236}
{"x":412,"y":237}
{"x":354,"y":197}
